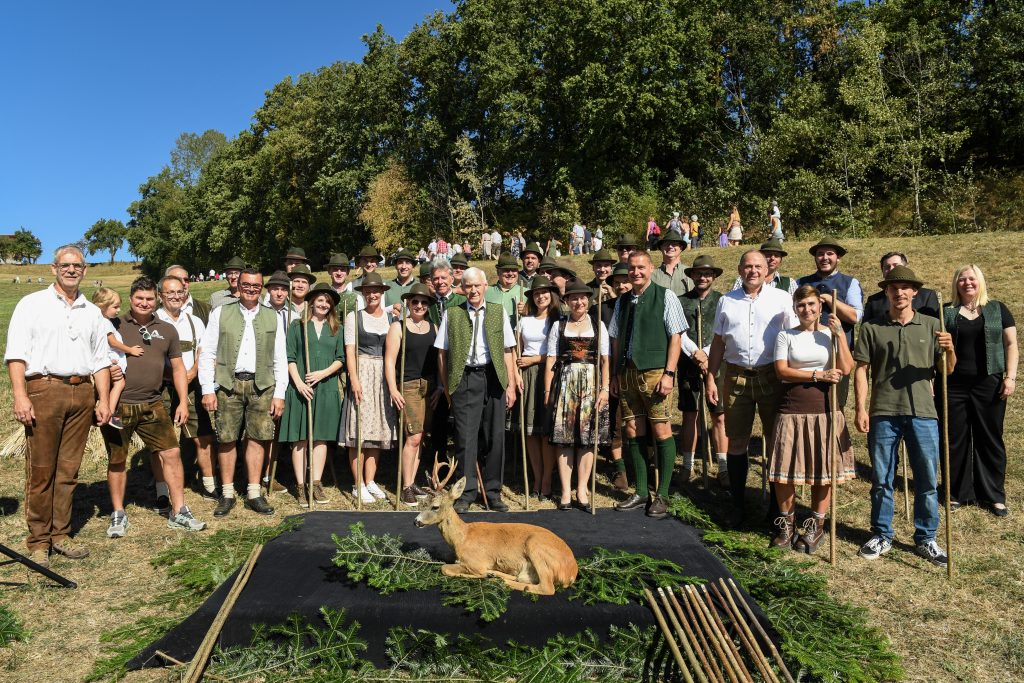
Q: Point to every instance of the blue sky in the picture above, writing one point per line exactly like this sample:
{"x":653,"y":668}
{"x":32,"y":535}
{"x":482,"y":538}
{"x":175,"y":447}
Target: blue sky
{"x":96,"y":93}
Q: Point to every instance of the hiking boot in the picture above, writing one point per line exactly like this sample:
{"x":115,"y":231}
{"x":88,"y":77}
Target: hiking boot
{"x":74,"y":551}
{"x":163,"y":506}
{"x":620,"y":482}
{"x":259,"y":505}
{"x":224,"y":505}
{"x":302,"y":495}
{"x":497,"y":505}
{"x":931,"y":551}
{"x":319,"y":495}
{"x":40,"y":556}
{"x":634,"y":502}
{"x":875,"y":548}
{"x":118,"y":525}
{"x":409,"y":496}
{"x":783,"y":537}
{"x":657,"y":508}
{"x":184,"y":521}
{"x":810,"y":535}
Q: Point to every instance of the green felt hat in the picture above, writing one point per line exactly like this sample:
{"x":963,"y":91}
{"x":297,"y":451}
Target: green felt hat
{"x":626,"y":242}
{"x":404,"y":254}
{"x":541,"y":282}
{"x":775,"y":244}
{"x":418,"y":289}
{"x":620,"y":269}
{"x":670,"y":237}
{"x":901,"y":274}
{"x":323,"y":288}
{"x":533,"y":248}
{"x":828,"y":242}
{"x":338,"y":260}
{"x":296,"y":253}
{"x":235,"y":263}
{"x":604,"y":256}
{"x":460,"y":260}
{"x":507,"y":261}
{"x":701,"y":263}
{"x":371,"y":280}
{"x":426,"y":268}
{"x":368,"y":251}
{"x":577,"y":287}
{"x":302,"y":270}
{"x":279,"y":277}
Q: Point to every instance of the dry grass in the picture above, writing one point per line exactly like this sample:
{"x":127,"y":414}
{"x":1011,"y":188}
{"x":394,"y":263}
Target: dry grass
{"x":968,"y":629}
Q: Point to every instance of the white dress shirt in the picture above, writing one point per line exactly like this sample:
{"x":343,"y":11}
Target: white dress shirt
{"x":749,"y":326}
{"x":483,"y":354}
{"x":185,"y":333}
{"x":53,"y":337}
{"x":246,"y":361}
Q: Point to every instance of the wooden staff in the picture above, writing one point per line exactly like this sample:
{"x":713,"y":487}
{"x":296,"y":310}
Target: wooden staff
{"x":906,"y":476}
{"x":309,"y":419}
{"x":667,"y":633}
{"x":683,"y":637}
{"x":401,"y":416}
{"x":694,"y":603}
{"x":746,"y":636}
{"x":833,"y":459}
{"x":701,"y":409}
{"x":597,"y":413}
{"x":730,"y":656}
{"x":359,"y":422}
{"x":696,"y":635}
{"x":522,"y":407}
{"x":716,"y":620}
{"x":764,"y":466}
{"x":760,"y":629}
{"x":945,"y":447}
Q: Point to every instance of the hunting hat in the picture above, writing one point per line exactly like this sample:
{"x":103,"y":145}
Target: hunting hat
{"x":302,"y":270}
{"x":620,"y":269}
{"x":546,"y":264}
{"x":570,"y":274}
{"x":626,"y":242}
{"x":901,"y":274}
{"x":338,"y":260}
{"x":368,"y":251}
{"x":533,"y":247}
{"x":404,"y":254}
{"x":577,"y":287}
{"x":828,"y":242}
{"x":775,"y":244}
{"x":541,"y":282}
{"x":235,"y":263}
{"x":700,"y":263}
{"x":323,"y":288}
{"x":460,"y":260}
{"x":604,"y":256}
{"x":279,"y":277}
{"x":419,"y":289}
{"x":371,"y":280}
{"x":426,"y":269}
{"x":507,"y":261}
{"x":670,"y":237}
{"x":297,"y":253}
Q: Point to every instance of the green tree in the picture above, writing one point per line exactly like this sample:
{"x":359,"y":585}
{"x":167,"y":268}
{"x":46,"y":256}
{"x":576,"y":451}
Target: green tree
{"x":106,"y":234}
{"x":22,"y":246}
{"x":392,"y":210}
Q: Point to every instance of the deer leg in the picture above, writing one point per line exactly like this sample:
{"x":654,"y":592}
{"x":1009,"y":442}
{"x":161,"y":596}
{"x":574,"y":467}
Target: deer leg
{"x":461,"y":571}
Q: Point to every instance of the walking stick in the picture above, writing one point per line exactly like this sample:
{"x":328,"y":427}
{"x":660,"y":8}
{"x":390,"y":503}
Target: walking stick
{"x":764,"y":466}
{"x":832,"y":460}
{"x":945,"y":448}
{"x":522,"y":408}
{"x":701,"y":411}
{"x":906,"y":476}
{"x":273,"y":445}
{"x":401,"y":417}
{"x":597,"y":413}
{"x":309,"y":420}
{"x":359,"y":425}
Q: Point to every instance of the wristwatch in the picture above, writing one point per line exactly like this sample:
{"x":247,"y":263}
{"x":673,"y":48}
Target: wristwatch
{"x":671,"y":373}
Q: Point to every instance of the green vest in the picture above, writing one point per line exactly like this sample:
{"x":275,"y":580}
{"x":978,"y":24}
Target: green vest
{"x":460,"y":336}
{"x":992,"y":315}
{"x":783,"y":283}
{"x":690,"y":301}
{"x":232,"y":325}
{"x":649,"y":340}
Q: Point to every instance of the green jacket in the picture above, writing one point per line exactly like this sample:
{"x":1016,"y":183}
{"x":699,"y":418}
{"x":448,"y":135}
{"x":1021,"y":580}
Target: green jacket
{"x":460,"y":336}
{"x":434,"y":313}
{"x":232,"y":325}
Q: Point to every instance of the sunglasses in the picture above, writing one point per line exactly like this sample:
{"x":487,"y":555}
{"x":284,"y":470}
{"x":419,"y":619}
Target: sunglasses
{"x":419,"y":302}
{"x":147,"y":338}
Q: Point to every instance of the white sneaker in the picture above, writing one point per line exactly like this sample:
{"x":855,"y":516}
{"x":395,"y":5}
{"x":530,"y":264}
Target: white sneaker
{"x":375,"y":490}
{"x":366,"y":497}
{"x":118,"y":525}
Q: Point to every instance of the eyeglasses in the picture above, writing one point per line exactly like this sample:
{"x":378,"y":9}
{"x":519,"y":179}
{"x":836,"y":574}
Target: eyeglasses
{"x":146,"y":336}
{"x":251,"y":286}
{"x":71,"y":266}
{"x":174,"y":295}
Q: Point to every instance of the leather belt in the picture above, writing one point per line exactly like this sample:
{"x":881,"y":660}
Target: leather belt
{"x":245,"y":376}
{"x":73,"y":380}
{"x":476,"y":368}
{"x":750,"y":372}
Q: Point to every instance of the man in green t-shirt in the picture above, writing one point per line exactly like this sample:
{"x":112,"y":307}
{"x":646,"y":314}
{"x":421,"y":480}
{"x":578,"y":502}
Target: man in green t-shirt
{"x":902,"y":351}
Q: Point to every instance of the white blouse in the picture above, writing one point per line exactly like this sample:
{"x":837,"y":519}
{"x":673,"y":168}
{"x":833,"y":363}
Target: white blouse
{"x":534,"y":333}
{"x":804,"y":350}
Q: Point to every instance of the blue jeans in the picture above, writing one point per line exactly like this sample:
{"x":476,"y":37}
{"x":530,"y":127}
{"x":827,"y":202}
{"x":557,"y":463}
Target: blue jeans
{"x":921,"y":435}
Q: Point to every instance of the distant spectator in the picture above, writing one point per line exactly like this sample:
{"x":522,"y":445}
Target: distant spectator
{"x":653,"y":233}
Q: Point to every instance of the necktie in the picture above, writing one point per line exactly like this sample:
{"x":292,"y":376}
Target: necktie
{"x":476,"y":330}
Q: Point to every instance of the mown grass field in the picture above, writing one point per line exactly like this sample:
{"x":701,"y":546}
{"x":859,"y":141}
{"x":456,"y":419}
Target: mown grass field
{"x":969,"y":629}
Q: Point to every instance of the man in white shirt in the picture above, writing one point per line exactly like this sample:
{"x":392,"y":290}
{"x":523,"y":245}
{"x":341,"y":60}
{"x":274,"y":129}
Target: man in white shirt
{"x":495,"y":245}
{"x":198,"y":309}
{"x":56,"y":354}
{"x":249,"y":383}
{"x":747,"y":322}
{"x":477,"y":369}
{"x":773,"y":254}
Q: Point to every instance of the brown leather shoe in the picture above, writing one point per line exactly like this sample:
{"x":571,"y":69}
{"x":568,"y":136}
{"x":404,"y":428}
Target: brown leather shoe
{"x":634,"y":502}
{"x":302,"y":495}
{"x":319,"y":495}
{"x":786,"y":524}
{"x":71,"y":550}
{"x":810,"y":535}
{"x":620,"y":482}
{"x":658,"y":509}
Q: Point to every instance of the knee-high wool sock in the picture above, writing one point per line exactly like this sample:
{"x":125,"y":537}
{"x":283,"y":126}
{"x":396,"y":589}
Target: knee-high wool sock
{"x":737,"y":465}
{"x":666,"y":461}
{"x":639,"y":467}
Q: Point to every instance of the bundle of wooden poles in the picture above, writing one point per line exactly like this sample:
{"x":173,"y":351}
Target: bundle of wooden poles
{"x":714,"y":635}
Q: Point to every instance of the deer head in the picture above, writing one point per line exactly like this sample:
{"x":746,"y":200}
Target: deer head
{"x":439,"y":504}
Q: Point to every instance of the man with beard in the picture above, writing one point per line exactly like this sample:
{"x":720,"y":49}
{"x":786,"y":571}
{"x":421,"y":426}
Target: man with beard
{"x":532,"y":255}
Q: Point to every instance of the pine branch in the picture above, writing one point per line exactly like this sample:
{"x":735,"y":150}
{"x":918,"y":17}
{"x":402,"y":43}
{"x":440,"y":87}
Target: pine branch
{"x":619,"y":577}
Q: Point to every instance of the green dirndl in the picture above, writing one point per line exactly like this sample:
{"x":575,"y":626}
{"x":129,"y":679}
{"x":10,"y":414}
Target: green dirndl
{"x":323,"y":350}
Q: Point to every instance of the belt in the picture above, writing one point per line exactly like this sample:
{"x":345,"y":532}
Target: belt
{"x":476,"y":368}
{"x":750,"y":372}
{"x":245,"y":376}
{"x":73,"y":380}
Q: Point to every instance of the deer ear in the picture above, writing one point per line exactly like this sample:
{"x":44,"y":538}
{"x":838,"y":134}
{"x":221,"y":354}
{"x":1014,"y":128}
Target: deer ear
{"x":459,"y":487}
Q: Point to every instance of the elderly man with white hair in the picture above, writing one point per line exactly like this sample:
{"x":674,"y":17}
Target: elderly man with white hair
{"x":477,"y":370}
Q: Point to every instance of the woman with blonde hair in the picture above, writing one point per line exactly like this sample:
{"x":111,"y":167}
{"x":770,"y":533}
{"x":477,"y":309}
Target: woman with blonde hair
{"x":985,"y":338}
{"x":735,"y":227}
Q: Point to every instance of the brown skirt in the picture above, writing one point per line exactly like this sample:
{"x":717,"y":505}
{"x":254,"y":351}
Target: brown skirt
{"x":800,"y":452}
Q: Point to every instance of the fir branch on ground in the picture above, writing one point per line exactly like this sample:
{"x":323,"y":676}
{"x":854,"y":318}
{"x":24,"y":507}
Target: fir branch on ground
{"x":10,"y":627}
{"x":619,"y":577}
{"x":822,"y":637}
{"x":383,"y":563}
{"x":198,"y":564}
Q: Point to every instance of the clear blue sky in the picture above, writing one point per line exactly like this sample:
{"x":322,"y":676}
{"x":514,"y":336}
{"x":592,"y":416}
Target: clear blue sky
{"x":96,"y":93}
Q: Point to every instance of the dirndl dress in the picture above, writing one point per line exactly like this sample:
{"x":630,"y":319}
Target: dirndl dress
{"x":575,"y":394}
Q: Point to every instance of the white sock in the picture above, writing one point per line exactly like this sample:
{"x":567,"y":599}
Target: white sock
{"x":723,"y":461}
{"x":210,"y":484}
{"x":252,"y":491}
{"x":688,"y":461}
{"x":228,"y":490}
{"x":162,"y":490}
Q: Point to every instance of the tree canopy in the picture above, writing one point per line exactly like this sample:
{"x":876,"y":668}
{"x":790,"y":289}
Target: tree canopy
{"x":106,"y":234}
{"x":857,"y":117}
{"x":22,"y":245}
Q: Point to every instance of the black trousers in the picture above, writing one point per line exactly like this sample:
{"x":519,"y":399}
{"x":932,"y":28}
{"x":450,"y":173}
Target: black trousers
{"x":437,"y":442}
{"x":977,"y":455}
{"x":478,"y":405}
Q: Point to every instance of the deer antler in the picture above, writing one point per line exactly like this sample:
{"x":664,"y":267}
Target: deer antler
{"x":436,"y":483}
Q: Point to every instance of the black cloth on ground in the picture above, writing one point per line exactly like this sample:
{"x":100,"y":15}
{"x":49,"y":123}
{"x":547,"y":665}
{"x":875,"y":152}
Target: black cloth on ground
{"x":295,"y":574}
